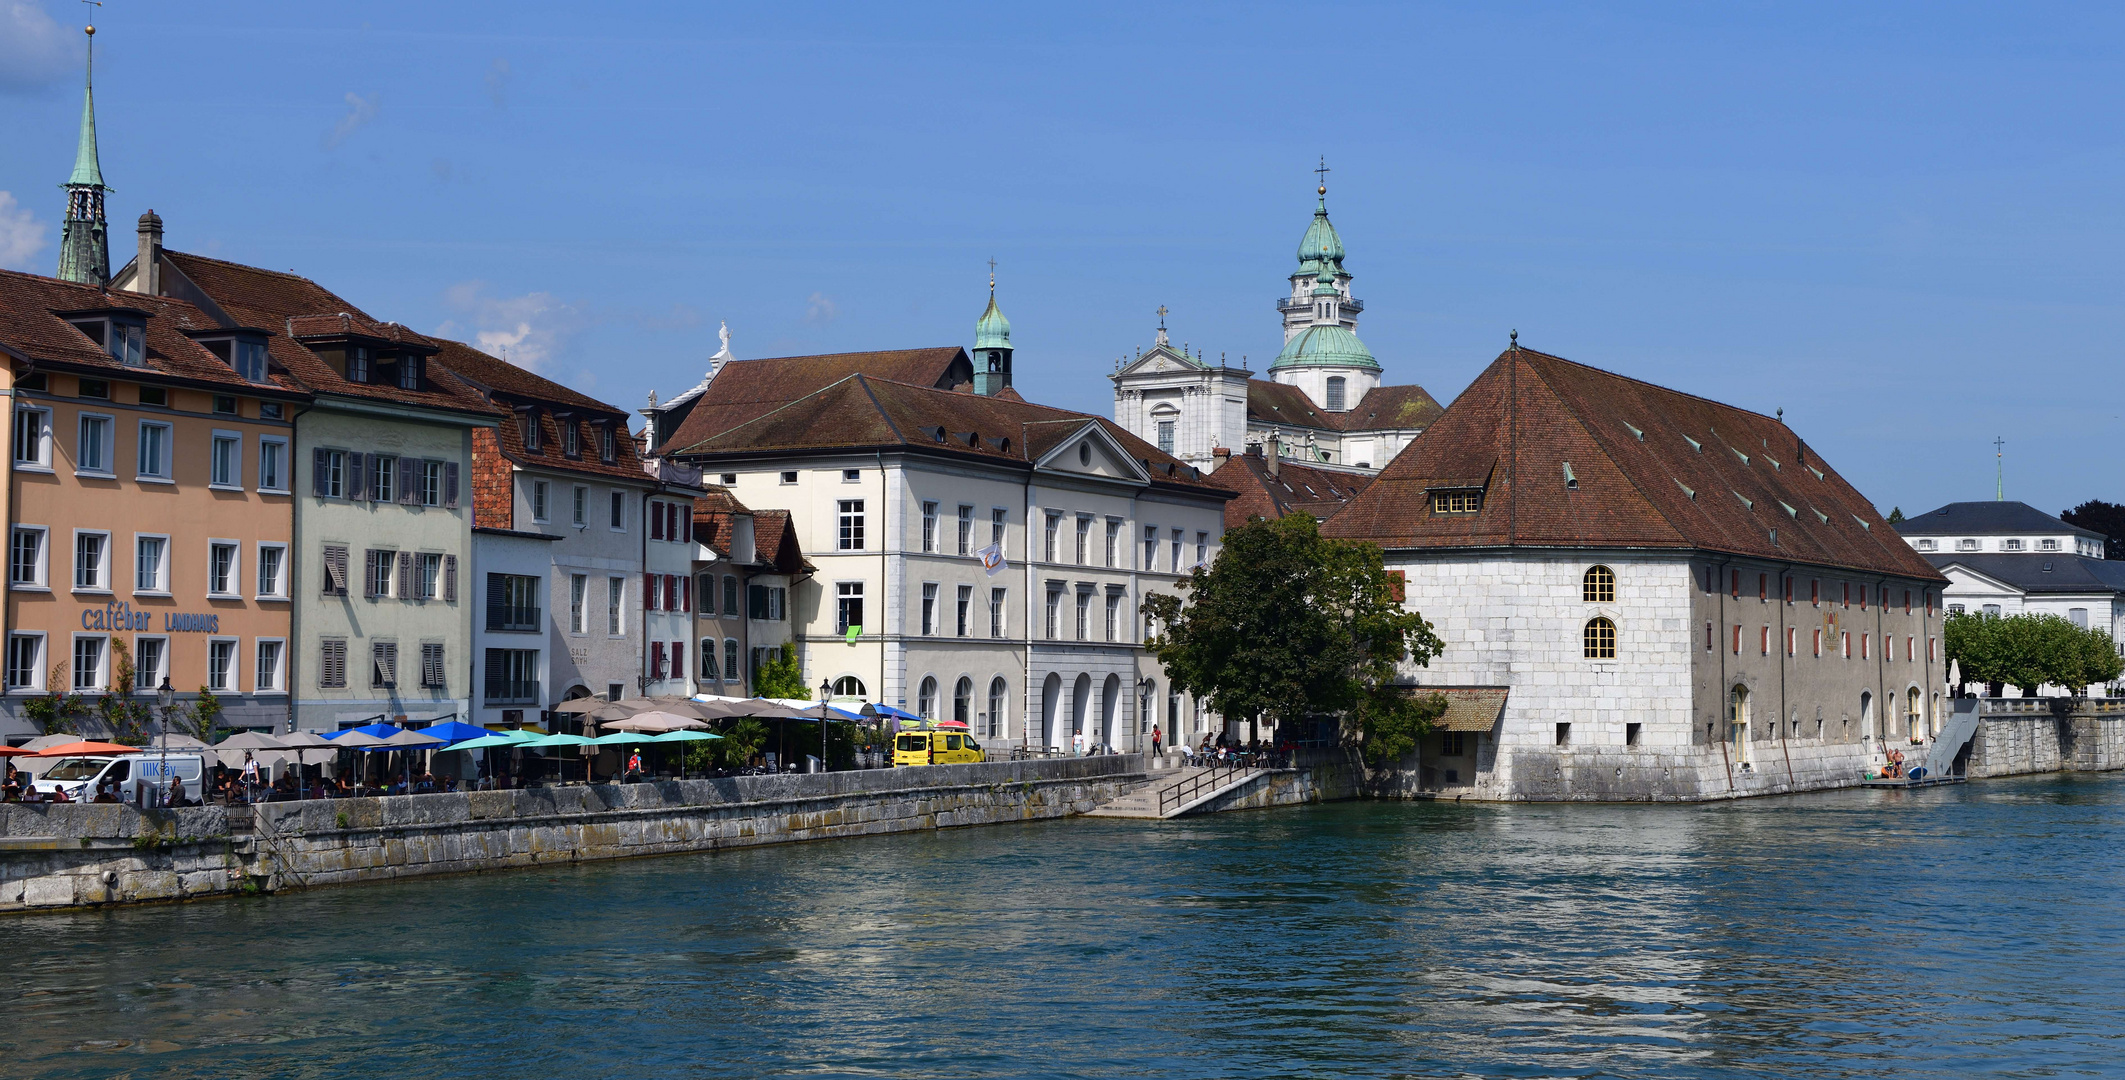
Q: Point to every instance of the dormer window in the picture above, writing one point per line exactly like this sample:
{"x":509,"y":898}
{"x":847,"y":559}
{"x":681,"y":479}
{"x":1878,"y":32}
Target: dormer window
{"x":569,"y":434}
{"x":1465,"y":501}
{"x":1926,"y":545}
{"x":528,"y":426}
{"x":2010,"y":545}
{"x":358,"y":364}
{"x":409,"y":372}
{"x":608,"y":446}
{"x":2050,"y":545}
{"x":125,"y":340}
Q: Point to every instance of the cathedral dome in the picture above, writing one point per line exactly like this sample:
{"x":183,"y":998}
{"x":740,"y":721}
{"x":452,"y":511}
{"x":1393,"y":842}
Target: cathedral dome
{"x":992,"y":331}
{"x":1325,"y":346}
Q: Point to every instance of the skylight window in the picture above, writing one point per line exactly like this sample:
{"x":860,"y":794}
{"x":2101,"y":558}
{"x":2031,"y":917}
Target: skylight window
{"x":1571,"y":482}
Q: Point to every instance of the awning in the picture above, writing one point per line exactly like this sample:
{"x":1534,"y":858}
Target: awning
{"x":1468,"y":708}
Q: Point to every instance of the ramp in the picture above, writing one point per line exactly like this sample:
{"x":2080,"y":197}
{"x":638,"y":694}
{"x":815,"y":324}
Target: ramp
{"x":1172,"y":796}
{"x":1955,"y":734}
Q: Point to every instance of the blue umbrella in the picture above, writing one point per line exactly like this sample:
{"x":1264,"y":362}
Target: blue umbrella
{"x":379,"y":731}
{"x":452,"y":731}
{"x":889,"y":711}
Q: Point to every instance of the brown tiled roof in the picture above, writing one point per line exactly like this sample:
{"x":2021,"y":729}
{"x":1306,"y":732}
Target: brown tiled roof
{"x":776,"y":537}
{"x":30,"y":326}
{"x":295,"y":307}
{"x":866,"y":412}
{"x":477,"y":371}
{"x":1382,"y":408}
{"x":1468,"y":708}
{"x":1629,"y":448}
{"x":1320,"y":492}
{"x":746,"y":389}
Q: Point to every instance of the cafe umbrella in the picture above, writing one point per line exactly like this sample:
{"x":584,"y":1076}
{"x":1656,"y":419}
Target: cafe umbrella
{"x":548,"y":742}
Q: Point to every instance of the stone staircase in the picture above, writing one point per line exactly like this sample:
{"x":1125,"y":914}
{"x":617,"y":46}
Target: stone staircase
{"x":1177,"y":793}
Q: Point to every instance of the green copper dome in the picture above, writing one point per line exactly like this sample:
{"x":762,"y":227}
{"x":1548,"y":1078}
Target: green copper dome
{"x":993,"y":331}
{"x":1320,"y":240}
{"x":1325,"y":346}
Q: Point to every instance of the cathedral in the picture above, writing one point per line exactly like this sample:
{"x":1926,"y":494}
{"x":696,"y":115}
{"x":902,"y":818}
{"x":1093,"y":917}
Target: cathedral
{"x":1322,"y":403}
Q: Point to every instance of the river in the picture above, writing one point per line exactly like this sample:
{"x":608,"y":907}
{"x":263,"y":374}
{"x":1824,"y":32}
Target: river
{"x":1975,"y":930}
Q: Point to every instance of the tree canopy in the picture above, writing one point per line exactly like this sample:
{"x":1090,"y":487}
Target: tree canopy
{"x":2103,"y":517}
{"x":1287,"y":624}
{"x":2031,"y":651}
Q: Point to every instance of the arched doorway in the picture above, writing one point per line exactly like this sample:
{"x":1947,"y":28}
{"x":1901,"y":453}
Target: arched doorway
{"x":1738,"y":724}
{"x":963,"y":703}
{"x":1050,"y":702}
{"x":1110,"y":707}
{"x":1080,"y":706}
{"x":999,"y":724}
{"x":1867,"y":727}
{"x":926,"y":699}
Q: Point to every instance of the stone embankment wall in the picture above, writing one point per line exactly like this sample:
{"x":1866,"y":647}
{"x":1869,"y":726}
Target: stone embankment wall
{"x":1641,"y":774}
{"x":2017,"y":736}
{"x":80,"y":855}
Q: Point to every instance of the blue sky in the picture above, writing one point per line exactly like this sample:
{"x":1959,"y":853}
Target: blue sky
{"x":1900,"y":223}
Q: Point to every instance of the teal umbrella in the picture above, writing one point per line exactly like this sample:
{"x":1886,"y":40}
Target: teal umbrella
{"x":681,"y":736}
{"x":545,"y":742}
{"x":623,"y":738}
{"x":487,"y":742}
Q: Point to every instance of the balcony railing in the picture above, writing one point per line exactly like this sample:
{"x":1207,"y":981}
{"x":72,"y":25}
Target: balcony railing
{"x":513,"y":619}
{"x":1289,"y":303}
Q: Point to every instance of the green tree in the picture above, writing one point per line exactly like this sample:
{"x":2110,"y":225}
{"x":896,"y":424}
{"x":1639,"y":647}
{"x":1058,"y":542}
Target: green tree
{"x":1287,"y":624}
{"x":778,"y":675}
{"x":1896,"y":515}
{"x":201,"y":719}
{"x":2030,"y":651}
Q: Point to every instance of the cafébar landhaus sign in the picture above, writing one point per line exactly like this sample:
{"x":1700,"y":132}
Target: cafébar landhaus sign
{"x":121,"y":616}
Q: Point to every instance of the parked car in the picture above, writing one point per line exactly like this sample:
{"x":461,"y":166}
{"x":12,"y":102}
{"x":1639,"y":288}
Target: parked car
{"x":81,"y":777}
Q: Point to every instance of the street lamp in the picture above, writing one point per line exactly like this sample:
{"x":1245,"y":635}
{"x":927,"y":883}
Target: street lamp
{"x":1144,"y":687}
{"x":826,"y":694}
{"x":164,"y":698}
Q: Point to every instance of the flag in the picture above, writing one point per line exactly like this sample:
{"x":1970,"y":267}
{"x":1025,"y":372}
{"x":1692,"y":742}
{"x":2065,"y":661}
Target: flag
{"x":992,"y":559}
{"x":854,"y":633}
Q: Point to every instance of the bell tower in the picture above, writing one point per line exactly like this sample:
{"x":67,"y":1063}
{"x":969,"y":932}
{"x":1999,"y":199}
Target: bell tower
{"x":992,"y":346}
{"x":84,"y":241}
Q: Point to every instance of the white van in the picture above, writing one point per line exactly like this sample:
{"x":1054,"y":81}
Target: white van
{"x":82,"y":777}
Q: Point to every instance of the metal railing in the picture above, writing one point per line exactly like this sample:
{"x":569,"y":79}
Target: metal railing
{"x":1215,"y":775}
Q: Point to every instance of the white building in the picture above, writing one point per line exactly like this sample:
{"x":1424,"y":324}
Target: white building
{"x":1322,"y":403}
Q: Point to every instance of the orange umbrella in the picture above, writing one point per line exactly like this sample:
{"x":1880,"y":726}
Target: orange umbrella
{"x":14,"y":751}
{"x":76,"y":749}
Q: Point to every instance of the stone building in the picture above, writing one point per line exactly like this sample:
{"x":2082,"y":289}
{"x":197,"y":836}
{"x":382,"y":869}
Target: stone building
{"x":1663,"y":596}
{"x":1322,"y":404}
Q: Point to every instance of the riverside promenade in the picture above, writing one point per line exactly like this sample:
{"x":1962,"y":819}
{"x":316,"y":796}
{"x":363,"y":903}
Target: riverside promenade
{"x":81,"y":855}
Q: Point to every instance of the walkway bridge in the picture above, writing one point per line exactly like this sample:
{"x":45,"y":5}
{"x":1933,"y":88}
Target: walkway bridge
{"x":1182,"y":792}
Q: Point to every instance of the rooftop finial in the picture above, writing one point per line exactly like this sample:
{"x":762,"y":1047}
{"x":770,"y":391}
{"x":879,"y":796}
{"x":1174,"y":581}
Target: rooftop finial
{"x":1321,"y":174}
{"x":1515,"y":336}
{"x":992,"y":278}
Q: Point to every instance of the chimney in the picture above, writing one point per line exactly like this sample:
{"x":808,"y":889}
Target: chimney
{"x":1273,"y":452}
{"x":1221,"y":451}
{"x":147,"y":268}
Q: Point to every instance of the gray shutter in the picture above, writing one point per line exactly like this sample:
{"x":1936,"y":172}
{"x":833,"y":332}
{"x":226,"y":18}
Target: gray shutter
{"x":369,"y":573}
{"x":406,"y":589}
{"x":409,"y":480}
{"x":450,"y":578}
{"x":450,"y":484}
{"x":357,"y":485}
{"x":320,"y":472}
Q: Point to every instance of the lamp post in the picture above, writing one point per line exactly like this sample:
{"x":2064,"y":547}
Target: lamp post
{"x":1143,"y":711}
{"x":164,"y":698}
{"x":826,"y":694}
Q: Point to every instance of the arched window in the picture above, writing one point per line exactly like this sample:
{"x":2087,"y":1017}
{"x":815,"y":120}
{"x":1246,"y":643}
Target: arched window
{"x":963,"y":702}
{"x":1335,"y":393}
{"x":849,"y":686}
{"x":997,"y":691}
{"x":1599,"y":585}
{"x":1600,"y":639}
{"x":926,"y":699}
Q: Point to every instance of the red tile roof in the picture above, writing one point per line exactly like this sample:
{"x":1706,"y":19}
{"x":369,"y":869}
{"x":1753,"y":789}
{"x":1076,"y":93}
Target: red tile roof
{"x":1382,"y":408}
{"x":865,"y":412}
{"x":30,"y":326}
{"x":1320,"y":492}
{"x":519,"y":394}
{"x":1654,"y":468}
{"x":295,"y":307}
{"x":746,"y":389}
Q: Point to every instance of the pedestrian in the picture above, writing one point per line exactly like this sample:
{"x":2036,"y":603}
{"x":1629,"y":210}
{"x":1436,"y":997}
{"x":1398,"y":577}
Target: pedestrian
{"x":634,"y":765}
{"x":250,"y":777}
{"x":1154,"y":740}
{"x":176,"y":795}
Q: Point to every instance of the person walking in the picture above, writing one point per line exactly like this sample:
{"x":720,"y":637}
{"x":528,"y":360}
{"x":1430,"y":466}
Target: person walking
{"x":1155,"y":740}
{"x":634,"y":766}
{"x":250,"y":777}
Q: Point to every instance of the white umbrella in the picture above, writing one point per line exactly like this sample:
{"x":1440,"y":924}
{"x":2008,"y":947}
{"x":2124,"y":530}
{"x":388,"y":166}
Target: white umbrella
{"x":653,"y":720}
{"x":251,"y":740}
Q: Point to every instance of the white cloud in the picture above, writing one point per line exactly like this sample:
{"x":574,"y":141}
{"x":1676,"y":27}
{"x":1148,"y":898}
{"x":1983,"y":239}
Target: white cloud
{"x":21,"y":234}
{"x":821,"y":309}
{"x":360,"y":111}
{"x":531,"y":331}
{"x":34,"y":51}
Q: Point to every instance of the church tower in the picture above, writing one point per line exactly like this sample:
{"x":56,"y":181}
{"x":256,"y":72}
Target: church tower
{"x":992,"y":346}
{"x":84,"y":242}
{"x":1322,"y":355}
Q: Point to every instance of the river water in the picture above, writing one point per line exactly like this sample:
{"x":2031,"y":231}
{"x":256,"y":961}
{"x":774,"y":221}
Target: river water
{"x":1976,"y":930}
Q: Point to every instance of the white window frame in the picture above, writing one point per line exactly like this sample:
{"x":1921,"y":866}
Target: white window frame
{"x":616,"y":514}
{"x":43,"y":460}
{"x":235,"y":672}
{"x":929,"y":526}
{"x":579,"y":603}
{"x":105,"y":571}
{"x":39,"y":664}
{"x":145,"y":681}
{"x":615,"y":606}
{"x":102,"y":680}
{"x":235,"y":591}
{"x":581,"y":504}
{"x":162,"y":569}
{"x":279,"y":684}
{"x":287,"y":464}
{"x":929,"y":608}
{"x":43,"y":580}
{"x":235,"y":466}
{"x":541,"y":497}
{"x":140,"y":446}
{"x":280,"y":586}
{"x":109,"y":448}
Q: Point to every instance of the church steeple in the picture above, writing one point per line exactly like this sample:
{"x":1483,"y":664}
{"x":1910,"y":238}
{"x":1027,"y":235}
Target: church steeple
{"x":84,"y":242}
{"x":992,"y":345}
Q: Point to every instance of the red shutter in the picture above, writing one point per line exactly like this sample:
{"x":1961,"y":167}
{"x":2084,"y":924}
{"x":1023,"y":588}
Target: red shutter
{"x":656,"y":659}
{"x":686,"y":525}
{"x":649,"y":592}
{"x":678,"y":659}
{"x":1737,"y":639}
{"x":686,"y":594}
{"x":671,"y":592}
{"x":656,"y":521}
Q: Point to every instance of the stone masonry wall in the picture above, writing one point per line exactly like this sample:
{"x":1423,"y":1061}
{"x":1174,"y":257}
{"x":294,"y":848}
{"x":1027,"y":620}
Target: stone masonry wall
{"x":80,"y":855}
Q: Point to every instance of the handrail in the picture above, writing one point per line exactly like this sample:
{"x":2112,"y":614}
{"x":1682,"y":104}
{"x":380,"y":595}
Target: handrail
{"x":1179,"y":794}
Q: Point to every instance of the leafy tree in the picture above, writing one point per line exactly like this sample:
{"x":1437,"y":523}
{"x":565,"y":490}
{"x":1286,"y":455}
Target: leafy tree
{"x":779,"y":676}
{"x":2103,"y":517}
{"x":2031,"y":650}
{"x":125,"y":714}
{"x":201,"y":719}
{"x":58,"y":710}
{"x":1287,"y":624}
{"x":1896,"y":515}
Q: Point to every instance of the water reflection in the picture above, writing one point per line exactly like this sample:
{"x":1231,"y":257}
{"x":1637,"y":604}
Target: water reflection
{"x":1952,"y":932}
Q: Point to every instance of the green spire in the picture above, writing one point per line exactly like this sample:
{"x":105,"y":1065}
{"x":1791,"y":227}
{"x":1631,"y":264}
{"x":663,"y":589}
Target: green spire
{"x":88,"y":171}
{"x":992,"y":331}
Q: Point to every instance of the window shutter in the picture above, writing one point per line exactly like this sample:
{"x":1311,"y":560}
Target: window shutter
{"x":406,"y":591}
{"x":678,"y":659}
{"x":656,"y":659}
{"x":409,"y":480}
{"x":369,"y":573}
{"x":320,"y":472}
{"x":686,"y":594}
{"x":656,"y":521}
{"x":450,"y":578}
{"x":686,"y":526}
{"x":450,"y":484}
{"x":357,"y":485}
{"x":649,"y":592}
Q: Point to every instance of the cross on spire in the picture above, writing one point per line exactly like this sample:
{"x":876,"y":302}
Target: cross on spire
{"x":1999,"y":458}
{"x":1162,"y":316}
{"x":1321,"y":174}
{"x":992,"y":276}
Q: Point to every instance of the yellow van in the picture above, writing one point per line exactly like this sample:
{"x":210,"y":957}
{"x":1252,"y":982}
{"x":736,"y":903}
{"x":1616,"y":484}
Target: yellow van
{"x":936,"y":748}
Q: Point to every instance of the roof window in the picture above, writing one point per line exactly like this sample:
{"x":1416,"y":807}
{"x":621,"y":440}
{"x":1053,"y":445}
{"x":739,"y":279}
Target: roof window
{"x":1790,"y":512}
{"x":1687,"y":490}
{"x":1863,"y":523}
{"x":1571,"y":483}
{"x":1745,"y":500}
{"x":1694,"y":444}
{"x":1466,"y":501}
{"x":1744,"y":457}
{"x":1636,"y":432}
{"x":1819,"y":515}
{"x":124,"y":338}
{"x":1816,"y":471}
{"x":1774,"y":462}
